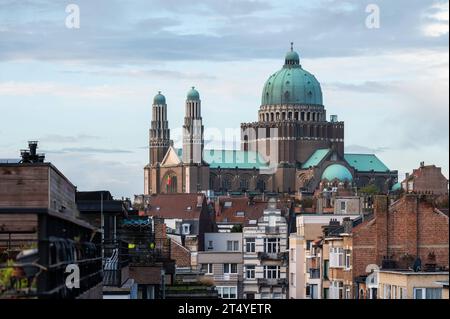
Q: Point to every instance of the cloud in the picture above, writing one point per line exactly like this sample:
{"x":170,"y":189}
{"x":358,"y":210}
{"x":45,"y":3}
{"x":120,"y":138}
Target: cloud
{"x":365,"y":87}
{"x":112,"y":32}
{"x":89,"y":150}
{"x":65,"y":90}
{"x":56,"y":138}
{"x":144,"y":73}
{"x":364,"y":149}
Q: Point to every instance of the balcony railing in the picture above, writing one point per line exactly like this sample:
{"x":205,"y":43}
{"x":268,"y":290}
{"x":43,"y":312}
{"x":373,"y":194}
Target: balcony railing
{"x":272,"y":281}
{"x":227,"y":277}
{"x":272,"y":230}
{"x":116,"y":257}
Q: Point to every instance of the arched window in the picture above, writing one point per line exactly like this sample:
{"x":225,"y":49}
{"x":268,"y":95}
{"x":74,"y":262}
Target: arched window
{"x":244,"y":183}
{"x":170,"y":183}
{"x":261,"y":185}
{"x":227,"y":183}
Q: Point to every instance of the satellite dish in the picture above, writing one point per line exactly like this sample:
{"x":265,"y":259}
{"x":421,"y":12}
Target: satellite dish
{"x":371,"y":268}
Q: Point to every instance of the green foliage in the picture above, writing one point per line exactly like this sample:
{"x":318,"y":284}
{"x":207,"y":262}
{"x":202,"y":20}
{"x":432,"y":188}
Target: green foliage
{"x":236,"y":229}
{"x":306,"y":202}
{"x":370,"y":189}
{"x":6,"y":274}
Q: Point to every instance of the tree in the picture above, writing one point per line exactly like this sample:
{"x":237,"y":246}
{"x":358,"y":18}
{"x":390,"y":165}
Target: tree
{"x":370,"y":189}
{"x":237,"y":229}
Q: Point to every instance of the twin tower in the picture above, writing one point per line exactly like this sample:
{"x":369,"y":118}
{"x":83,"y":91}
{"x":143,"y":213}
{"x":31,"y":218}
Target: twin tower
{"x":171,"y":170}
{"x":193,"y":141}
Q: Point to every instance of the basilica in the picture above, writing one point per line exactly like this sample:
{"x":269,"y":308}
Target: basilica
{"x":292,"y":147}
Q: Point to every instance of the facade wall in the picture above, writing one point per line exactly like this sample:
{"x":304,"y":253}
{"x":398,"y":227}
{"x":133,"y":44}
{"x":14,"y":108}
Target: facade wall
{"x":272,"y":226}
{"x":397,"y":280}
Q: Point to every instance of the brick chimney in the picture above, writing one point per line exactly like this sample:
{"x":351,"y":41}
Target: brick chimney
{"x":381,"y":226}
{"x":348,"y":225}
{"x":160,"y":228}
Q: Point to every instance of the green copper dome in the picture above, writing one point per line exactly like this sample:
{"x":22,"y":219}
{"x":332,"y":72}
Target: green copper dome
{"x":337,"y":171}
{"x":159,"y":99}
{"x":193,"y":95}
{"x":292,"y":85}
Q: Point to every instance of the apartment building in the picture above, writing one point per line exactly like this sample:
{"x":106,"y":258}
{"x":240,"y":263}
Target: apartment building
{"x":305,"y":260}
{"x":266,"y":255}
{"x":222,"y":263}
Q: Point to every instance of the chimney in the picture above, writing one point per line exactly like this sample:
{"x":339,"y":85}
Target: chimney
{"x":33,"y":147}
{"x":406,"y":175}
{"x":160,"y":228}
{"x":199,"y":200}
{"x":381,"y":216}
{"x":422,"y":164}
{"x":348,"y":225}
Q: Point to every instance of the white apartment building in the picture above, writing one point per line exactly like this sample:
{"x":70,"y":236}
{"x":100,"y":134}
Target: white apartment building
{"x":221,"y":262}
{"x":265,"y":256}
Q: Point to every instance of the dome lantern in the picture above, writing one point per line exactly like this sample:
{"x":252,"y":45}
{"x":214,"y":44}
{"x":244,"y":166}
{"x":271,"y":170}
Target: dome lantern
{"x":193,"y":95}
{"x":159,"y":99}
{"x":292,"y":58}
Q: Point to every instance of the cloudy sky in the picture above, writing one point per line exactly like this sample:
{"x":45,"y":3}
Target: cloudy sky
{"x":85,"y":93}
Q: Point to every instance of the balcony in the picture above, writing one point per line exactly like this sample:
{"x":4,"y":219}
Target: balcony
{"x":272,"y":282}
{"x":272,"y":230}
{"x":115,"y":263}
{"x":227,"y":277}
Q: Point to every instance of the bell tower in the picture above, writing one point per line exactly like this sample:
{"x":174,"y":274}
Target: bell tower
{"x":159,"y":135}
{"x":193,"y":142}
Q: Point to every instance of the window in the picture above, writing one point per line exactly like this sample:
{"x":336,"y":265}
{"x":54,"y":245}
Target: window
{"x":427,"y":293}
{"x":232,"y":245}
{"x":308,"y":244}
{"x":347,"y":293}
{"x":292,"y":254}
{"x":227,"y":292}
{"x":336,"y":290}
{"x":402,"y":293}
{"x":186,"y":229}
{"x":210,"y":244}
{"x":387,"y":291}
{"x":343,"y":206}
{"x":326,"y":293}
{"x":240,"y":214}
{"x":208,"y":269}
{"x":292,"y":279}
{"x":336,"y":257}
{"x":271,"y":272}
{"x":348,"y":264}
{"x":250,"y":245}
{"x":230,"y":268}
{"x":250,"y":271}
{"x":271,"y":245}
{"x":326,"y":269}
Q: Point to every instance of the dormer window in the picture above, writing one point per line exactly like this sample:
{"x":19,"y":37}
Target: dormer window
{"x":240,"y":214}
{"x":186,"y":229}
{"x":189,"y":208}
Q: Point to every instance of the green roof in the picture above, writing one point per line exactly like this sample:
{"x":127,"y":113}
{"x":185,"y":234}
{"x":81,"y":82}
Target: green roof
{"x":316,"y":158}
{"x":292,"y":85}
{"x":232,"y":159}
{"x":365,"y":162}
{"x":396,"y":187}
